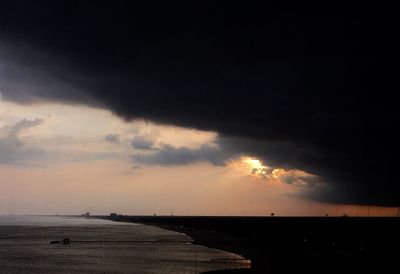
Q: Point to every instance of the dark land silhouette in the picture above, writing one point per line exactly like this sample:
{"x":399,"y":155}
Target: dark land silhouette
{"x":294,"y":244}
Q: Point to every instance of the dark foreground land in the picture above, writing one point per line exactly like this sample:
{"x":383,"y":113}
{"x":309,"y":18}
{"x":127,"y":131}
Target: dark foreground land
{"x":295,"y":244}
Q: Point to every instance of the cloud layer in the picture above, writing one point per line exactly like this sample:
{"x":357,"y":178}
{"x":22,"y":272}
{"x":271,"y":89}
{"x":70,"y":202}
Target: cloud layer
{"x":298,"y":89}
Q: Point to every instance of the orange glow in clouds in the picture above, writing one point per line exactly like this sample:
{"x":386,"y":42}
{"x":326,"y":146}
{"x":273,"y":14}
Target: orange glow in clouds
{"x":257,"y":168}
{"x":253,"y":163}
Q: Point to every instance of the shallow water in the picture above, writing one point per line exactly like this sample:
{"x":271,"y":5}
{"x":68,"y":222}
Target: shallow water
{"x":25,"y":248}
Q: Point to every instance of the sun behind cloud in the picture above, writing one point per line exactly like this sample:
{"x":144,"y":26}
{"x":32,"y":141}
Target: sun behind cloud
{"x":254,"y":165}
{"x":257,"y":169}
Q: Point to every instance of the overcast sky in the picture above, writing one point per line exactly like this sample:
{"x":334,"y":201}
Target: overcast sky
{"x":200,"y":108}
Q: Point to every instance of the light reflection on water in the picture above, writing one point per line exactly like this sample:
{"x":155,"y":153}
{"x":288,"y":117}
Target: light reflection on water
{"x":25,"y":248}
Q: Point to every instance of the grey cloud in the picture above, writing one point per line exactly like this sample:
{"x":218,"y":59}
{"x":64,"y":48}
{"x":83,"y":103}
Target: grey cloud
{"x":112,"y":138}
{"x":290,"y":179}
{"x":145,"y":141}
{"x":20,"y":156}
{"x":12,"y":150}
{"x":311,"y":182}
{"x":12,"y":132}
{"x":168,"y":155}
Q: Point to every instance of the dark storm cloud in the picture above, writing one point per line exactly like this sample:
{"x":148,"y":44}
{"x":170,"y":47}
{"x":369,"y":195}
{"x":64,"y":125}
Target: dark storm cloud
{"x":306,"y":86}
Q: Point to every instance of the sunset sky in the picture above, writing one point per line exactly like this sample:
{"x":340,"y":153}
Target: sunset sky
{"x":194,"y":110}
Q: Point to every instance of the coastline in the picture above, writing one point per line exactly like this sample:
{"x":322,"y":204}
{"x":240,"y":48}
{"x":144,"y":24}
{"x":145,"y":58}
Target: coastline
{"x":203,"y":238}
{"x":211,"y":240}
{"x":310,"y":244}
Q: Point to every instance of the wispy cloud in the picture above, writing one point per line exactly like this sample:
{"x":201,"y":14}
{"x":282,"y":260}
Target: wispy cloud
{"x":12,"y":149}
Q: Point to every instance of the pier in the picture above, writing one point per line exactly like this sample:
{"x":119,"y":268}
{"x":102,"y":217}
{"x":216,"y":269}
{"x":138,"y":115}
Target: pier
{"x":67,"y":241}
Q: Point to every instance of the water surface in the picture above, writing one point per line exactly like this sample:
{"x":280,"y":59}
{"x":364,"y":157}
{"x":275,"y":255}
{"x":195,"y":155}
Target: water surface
{"x":25,"y":248}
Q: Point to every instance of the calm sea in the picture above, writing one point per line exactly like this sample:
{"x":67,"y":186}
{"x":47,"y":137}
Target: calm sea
{"x":25,"y":248}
